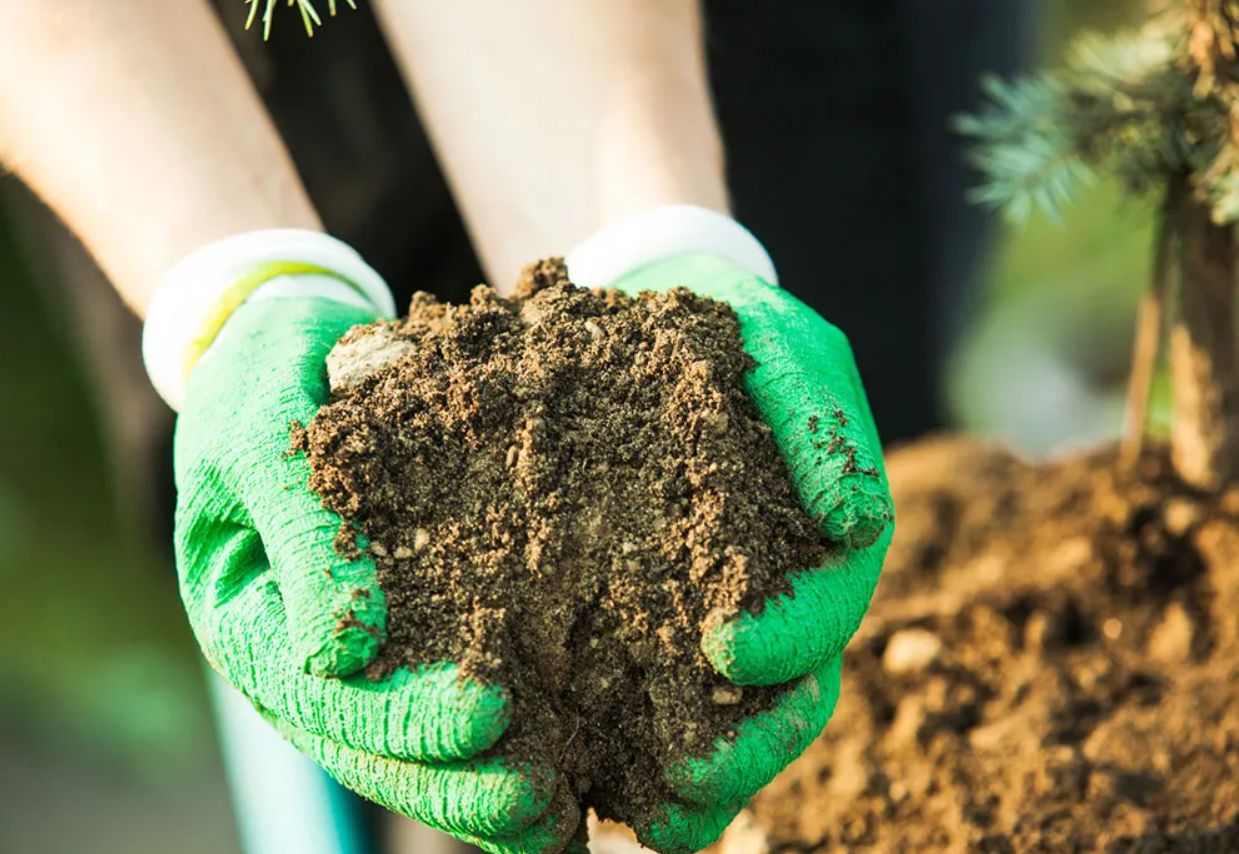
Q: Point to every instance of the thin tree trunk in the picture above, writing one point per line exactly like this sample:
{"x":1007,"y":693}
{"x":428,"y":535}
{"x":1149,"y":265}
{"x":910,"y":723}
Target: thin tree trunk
{"x":1204,"y":366}
{"x":1149,"y":330}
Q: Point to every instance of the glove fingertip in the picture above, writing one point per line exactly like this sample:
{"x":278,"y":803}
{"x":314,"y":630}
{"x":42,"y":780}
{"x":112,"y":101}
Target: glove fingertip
{"x":718,"y":642}
{"x":488,"y":713}
{"x":453,"y":717}
{"x":505,"y":798}
{"x":558,"y":827}
{"x":744,"y":656}
{"x":763,"y":745}
{"x":351,"y":644}
{"x":860,"y":515}
{"x":342,"y":658}
{"x":539,"y":793}
{"x":680,"y":829}
{"x":799,"y":631}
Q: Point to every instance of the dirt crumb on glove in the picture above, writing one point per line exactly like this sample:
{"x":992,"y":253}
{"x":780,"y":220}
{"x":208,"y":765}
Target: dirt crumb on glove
{"x":561,"y":490}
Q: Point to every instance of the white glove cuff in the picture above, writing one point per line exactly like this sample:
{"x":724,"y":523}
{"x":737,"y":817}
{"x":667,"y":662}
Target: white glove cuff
{"x":196,"y":297}
{"x":661,"y":233}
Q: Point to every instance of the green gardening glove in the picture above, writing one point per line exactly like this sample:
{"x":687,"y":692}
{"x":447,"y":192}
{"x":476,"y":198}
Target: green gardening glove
{"x":807,"y":389}
{"x":278,"y":612}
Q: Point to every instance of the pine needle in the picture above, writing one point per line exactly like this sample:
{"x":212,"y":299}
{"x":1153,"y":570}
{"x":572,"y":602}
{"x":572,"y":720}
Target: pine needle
{"x":309,"y":15}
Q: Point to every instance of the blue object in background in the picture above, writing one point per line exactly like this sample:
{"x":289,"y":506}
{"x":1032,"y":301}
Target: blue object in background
{"x":284,"y":803}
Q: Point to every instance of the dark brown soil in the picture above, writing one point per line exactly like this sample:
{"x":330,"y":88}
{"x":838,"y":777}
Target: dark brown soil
{"x":1051,"y":665}
{"x":560,"y":491}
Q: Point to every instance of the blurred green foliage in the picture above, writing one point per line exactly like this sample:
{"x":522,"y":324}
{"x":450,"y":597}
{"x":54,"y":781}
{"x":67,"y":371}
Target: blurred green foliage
{"x":93,"y":649}
{"x":1046,"y":356}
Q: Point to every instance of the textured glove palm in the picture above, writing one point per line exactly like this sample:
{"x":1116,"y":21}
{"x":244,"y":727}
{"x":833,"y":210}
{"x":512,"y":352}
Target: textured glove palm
{"x":276,"y":609}
{"x":807,"y":389}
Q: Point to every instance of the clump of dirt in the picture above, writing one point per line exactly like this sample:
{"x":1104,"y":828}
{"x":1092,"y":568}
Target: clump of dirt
{"x":1051,"y":665}
{"x":561,"y":490}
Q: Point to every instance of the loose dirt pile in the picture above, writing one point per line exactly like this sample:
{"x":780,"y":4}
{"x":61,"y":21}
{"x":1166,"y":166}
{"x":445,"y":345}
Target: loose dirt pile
{"x":1051,"y":665}
{"x":560,"y":491}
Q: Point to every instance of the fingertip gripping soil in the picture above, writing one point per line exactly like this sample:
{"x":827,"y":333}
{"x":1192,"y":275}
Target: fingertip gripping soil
{"x":861,"y":511}
{"x":763,"y":745}
{"x":505,"y":798}
{"x":487,"y":798}
{"x":353,"y":642}
{"x":558,"y":829}
{"x":798,"y":632}
{"x":450,"y":716}
{"x":684,"y":829}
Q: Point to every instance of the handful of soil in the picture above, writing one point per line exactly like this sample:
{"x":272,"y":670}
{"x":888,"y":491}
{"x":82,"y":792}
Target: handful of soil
{"x":561,"y":490}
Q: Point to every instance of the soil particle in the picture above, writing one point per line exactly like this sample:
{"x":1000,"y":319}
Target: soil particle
{"x":910,"y":650}
{"x":560,"y":490}
{"x":1085,"y":695}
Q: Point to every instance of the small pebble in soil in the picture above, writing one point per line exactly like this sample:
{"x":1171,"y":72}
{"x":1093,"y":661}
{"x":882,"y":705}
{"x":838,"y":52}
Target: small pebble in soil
{"x":1171,"y":640}
{"x":910,"y":651}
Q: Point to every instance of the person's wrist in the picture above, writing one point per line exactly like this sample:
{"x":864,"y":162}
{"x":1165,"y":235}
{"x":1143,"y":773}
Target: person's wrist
{"x":195,"y":299}
{"x":660,"y":234}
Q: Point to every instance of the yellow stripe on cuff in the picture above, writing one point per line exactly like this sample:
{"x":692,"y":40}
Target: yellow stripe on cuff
{"x":219,"y":312}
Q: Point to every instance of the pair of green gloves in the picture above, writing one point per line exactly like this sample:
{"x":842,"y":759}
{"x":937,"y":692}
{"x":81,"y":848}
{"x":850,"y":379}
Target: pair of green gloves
{"x":290,"y":623}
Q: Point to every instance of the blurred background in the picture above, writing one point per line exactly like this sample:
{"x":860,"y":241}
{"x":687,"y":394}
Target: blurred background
{"x":106,"y":743}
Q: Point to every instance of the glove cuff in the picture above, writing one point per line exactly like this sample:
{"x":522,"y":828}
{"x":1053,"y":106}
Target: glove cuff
{"x":661,"y":233}
{"x":197,"y":296}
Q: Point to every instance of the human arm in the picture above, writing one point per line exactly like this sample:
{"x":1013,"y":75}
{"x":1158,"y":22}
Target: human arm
{"x":136,"y":123}
{"x":554,"y":118}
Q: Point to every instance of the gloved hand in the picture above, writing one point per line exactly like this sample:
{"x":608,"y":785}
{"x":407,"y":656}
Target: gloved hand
{"x":807,"y":389}
{"x":278,"y":612}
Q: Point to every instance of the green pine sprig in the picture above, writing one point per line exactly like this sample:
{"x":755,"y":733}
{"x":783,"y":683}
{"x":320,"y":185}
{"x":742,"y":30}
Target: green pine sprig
{"x":1136,"y":106}
{"x":1114,"y":107}
{"x":309,"y":15}
{"x":1024,"y":150}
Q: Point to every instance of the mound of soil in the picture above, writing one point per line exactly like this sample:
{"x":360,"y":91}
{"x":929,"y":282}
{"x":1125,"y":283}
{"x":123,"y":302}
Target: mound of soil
{"x":1051,"y":665}
{"x":560,"y":491}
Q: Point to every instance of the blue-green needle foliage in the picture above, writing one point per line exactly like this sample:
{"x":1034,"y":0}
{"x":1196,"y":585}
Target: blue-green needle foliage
{"x":1138,"y":106}
{"x":309,"y":15}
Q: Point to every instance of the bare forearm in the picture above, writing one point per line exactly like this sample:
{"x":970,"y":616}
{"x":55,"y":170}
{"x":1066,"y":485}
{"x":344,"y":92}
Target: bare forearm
{"x":135,"y":122}
{"x":554,"y":118}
